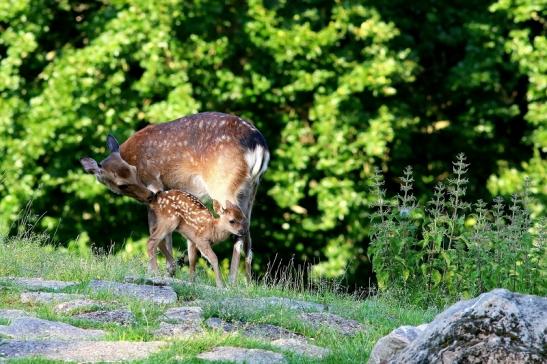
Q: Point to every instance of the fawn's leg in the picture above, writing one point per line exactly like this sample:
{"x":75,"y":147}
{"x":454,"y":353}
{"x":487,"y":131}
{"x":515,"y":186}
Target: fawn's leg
{"x":165,"y":245}
{"x":192,"y":258}
{"x":208,"y":253}
{"x":162,"y":228}
{"x":171,"y":265}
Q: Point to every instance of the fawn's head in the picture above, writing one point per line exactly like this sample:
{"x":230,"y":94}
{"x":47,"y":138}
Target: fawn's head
{"x":116,"y":174}
{"x":231,"y":218}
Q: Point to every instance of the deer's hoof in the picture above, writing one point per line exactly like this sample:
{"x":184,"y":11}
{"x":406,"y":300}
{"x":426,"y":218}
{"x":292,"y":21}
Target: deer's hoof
{"x":171,"y":271}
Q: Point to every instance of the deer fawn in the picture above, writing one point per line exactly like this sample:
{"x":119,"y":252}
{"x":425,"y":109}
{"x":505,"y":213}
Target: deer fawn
{"x":208,"y":154}
{"x":183,"y":212}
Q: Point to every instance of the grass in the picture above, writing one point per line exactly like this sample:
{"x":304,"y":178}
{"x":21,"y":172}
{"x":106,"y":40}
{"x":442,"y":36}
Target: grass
{"x":380,"y":314}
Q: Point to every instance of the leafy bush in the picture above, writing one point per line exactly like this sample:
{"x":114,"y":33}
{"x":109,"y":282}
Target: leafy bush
{"x":454,"y":247}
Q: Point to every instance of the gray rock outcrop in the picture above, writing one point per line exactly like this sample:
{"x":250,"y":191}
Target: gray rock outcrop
{"x":330,"y":321}
{"x":47,"y":297}
{"x":79,"y":351}
{"x":388,"y":346}
{"x":36,"y":284}
{"x":263,"y":303}
{"x":180,"y":322}
{"x":29,"y":328}
{"x":122,"y":317}
{"x":302,"y":348}
{"x":242,"y":355}
{"x":156,"y":294}
{"x":496,"y":327}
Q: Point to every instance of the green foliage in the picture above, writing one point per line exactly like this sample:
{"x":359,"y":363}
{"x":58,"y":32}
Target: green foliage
{"x":452,"y":247}
{"x":336,"y":87}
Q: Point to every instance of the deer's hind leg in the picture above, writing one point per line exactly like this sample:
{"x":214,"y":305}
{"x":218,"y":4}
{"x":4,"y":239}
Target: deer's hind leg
{"x":243,"y":244}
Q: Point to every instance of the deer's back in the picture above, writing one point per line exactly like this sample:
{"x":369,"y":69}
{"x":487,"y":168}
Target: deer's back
{"x":191,"y":136}
{"x":192,"y":215}
{"x":196,"y":151}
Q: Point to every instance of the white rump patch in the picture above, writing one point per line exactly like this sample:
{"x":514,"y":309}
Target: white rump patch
{"x":257,"y":160}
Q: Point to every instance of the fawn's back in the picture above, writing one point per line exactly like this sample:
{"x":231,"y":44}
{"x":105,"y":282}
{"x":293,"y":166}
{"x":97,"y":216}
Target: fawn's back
{"x":185,"y":213}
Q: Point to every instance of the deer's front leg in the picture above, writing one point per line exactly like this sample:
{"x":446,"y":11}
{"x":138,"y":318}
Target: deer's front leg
{"x":164,"y":247}
{"x":236,"y":254}
{"x":208,"y":253}
{"x":151,"y":249}
{"x":192,"y":258}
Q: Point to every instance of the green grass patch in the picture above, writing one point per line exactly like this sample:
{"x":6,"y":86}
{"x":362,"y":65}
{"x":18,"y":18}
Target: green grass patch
{"x":379,"y":314}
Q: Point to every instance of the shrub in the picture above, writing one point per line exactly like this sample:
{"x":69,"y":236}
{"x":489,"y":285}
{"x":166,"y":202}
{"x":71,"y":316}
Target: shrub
{"x":450,"y":246}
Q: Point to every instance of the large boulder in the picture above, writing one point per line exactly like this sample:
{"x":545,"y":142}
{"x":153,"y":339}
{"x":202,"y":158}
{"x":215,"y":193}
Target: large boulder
{"x":496,"y":327}
{"x":391,"y":344}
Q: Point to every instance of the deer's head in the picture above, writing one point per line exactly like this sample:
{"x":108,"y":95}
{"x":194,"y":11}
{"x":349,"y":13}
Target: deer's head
{"x":116,"y":174}
{"x":231,"y":218}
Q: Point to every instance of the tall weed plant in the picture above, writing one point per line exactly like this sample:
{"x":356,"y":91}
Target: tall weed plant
{"x":454,"y":248}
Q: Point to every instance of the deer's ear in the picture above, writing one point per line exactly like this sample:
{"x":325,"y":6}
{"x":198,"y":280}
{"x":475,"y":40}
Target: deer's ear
{"x":112,"y":144}
{"x":90,"y":165}
{"x":230,"y":205}
{"x":217,"y":207}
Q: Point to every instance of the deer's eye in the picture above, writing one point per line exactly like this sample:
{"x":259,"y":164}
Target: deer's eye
{"x":232,"y":222}
{"x":123,"y":187}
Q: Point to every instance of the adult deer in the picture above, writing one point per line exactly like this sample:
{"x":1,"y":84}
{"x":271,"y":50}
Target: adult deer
{"x":207,"y":154}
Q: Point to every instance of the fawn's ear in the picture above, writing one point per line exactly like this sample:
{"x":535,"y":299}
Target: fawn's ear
{"x":217,"y":207}
{"x":230,"y":205}
{"x":90,"y":165}
{"x":112,"y":144}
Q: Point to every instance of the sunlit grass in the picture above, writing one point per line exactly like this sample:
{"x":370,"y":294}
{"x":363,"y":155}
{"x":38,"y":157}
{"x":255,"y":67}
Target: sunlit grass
{"x":28,"y":257}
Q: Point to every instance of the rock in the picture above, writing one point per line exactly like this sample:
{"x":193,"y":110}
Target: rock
{"x":219,"y":324}
{"x":262,"y":303}
{"x":79,"y":351}
{"x":47,"y":297}
{"x":393,"y":343}
{"x":79,"y":305}
{"x":180,"y":322}
{"x":177,"y":331}
{"x":121,"y":317}
{"x":36,"y":284}
{"x":182,"y":314}
{"x":496,"y":327}
{"x":156,"y":294}
{"x":242,"y":355}
{"x":9,"y":314}
{"x":301,"y":348}
{"x":168,"y":281}
{"x":282,"y":338}
{"x":262,"y":331}
{"x":331,"y":321}
{"x":155,"y":281}
{"x":29,"y":328}
{"x":66,"y":302}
